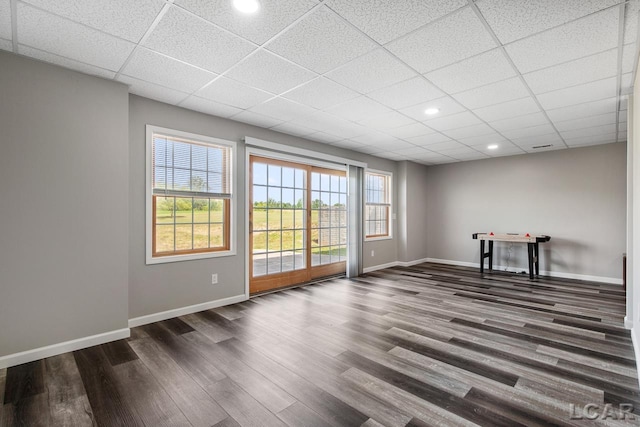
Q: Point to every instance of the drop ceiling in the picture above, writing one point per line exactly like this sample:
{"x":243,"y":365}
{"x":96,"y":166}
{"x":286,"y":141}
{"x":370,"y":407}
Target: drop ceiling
{"x":359,"y":74}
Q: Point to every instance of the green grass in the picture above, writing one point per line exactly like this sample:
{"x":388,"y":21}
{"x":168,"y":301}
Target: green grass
{"x":282,"y":229}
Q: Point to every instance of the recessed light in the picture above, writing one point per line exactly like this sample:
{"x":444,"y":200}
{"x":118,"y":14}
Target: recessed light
{"x":247,"y":6}
{"x":432,"y":111}
{"x":493,"y":146}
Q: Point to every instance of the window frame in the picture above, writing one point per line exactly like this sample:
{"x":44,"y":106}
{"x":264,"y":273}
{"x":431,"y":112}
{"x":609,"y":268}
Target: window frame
{"x":390,"y":215}
{"x":230,"y":228}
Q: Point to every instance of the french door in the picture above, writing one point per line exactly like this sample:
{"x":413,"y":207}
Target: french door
{"x":297,"y":223}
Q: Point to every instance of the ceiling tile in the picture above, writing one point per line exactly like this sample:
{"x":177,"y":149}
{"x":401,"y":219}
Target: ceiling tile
{"x":550,"y":147}
{"x":6,"y":45}
{"x":209,"y":107}
{"x":341,"y":127}
{"x":480,"y":70}
{"x":406,"y":93}
{"x":65,"y":62}
{"x":321,"y":93}
{"x":447,"y":145}
{"x":453,"y":122}
{"x":451,"y":39}
{"x":386,"y":20}
{"x":123,"y":18}
{"x":5,"y":20}
{"x":528,"y":120}
{"x":188,"y":38}
{"x":592,"y":140}
{"x":283,"y":109}
{"x":291,"y":128}
{"x":59,"y":36}
{"x":324,"y":137}
{"x":514,"y":19}
{"x":587,"y":109}
{"x":530,"y":141}
{"x":491,"y":138}
{"x":584,"y":70}
{"x":445,"y":105}
{"x":412,"y":151}
{"x":372,"y":71}
{"x":425,"y":140}
{"x":469,"y":131}
{"x":629,"y":57}
{"x":471,"y":155}
{"x":505,"y":110}
{"x":389,"y":155}
{"x":317,"y":42}
{"x":529,"y":131}
{"x":393,"y":144}
{"x":358,"y":109}
{"x":603,"y":119}
{"x":266,"y":71}
{"x":349,"y":145}
{"x":389,"y":120}
{"x":274,"y":16}
{"x":152,"y":91}
{"x":494,"y":93}
{"x":580,"y":94}
{"x":586,"y":36}
{"x":508,"y":150}
{"x":410,"y":131}
{"x":162,"y":70}
{"x":233,"y":93}
{"x":256,"y":119}
{"x":631,"y":22}
{"x":587,"y":132}
{"x":374,"y":138}
{"x":462,"y":151}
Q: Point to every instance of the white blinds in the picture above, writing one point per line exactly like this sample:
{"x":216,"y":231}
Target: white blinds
{"x":187,"y":168}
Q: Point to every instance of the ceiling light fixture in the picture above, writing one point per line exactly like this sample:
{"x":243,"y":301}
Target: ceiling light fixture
{"x":493,"y":146}
{"x":431,"y":111}
{"x":246,"y":6}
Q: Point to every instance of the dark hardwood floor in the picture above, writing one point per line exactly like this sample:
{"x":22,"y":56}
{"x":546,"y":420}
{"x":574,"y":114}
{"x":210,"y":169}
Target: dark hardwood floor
{"x":419,"y":346}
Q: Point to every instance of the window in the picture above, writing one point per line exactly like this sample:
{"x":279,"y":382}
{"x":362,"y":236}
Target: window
{"x":378,"y":205}
{"x":189,"y":196}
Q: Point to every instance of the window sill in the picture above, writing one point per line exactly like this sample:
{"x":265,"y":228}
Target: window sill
{"x":188,"y":257}
{"x":375,"y":239}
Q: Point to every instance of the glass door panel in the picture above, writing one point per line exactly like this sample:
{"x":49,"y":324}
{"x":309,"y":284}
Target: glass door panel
{"x":298,"y":223}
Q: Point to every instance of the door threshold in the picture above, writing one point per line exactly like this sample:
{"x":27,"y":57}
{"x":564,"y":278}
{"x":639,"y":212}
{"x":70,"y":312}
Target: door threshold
{"x":299,"y":285}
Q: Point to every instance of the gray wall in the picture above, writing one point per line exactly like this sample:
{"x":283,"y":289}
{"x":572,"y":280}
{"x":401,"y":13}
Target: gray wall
{"x":64,"y":210}
{"x":412,"y":211}
{"x":162,"y":287}
{"x":577,"y":196}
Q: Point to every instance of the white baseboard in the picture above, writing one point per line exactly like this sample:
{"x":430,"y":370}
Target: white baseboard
{"x":559,"y":274}
{"x":394,"y":264}
{"x":379,"y":267}
{"x":628,"y":324}
{"x":635,"y":339}
{"x":63,"y":347}
{"x":176,"y":312}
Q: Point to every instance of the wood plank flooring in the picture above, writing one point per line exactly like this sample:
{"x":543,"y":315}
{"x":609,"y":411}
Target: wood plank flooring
{"x":419,"y":346}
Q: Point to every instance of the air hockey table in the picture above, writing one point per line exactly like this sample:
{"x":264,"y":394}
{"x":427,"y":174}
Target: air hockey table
{"x":532,"y":241}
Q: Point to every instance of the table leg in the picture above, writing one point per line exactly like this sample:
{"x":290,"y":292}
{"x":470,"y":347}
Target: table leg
{"x":537,"y":255}
{"x":481,"y":256}
{"x":530,"y":250}
{"x":490,"y":255}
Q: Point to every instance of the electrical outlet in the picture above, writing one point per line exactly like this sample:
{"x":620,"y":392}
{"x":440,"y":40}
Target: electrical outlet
{"x":214,"y":279}
{"x":373,"y":253}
